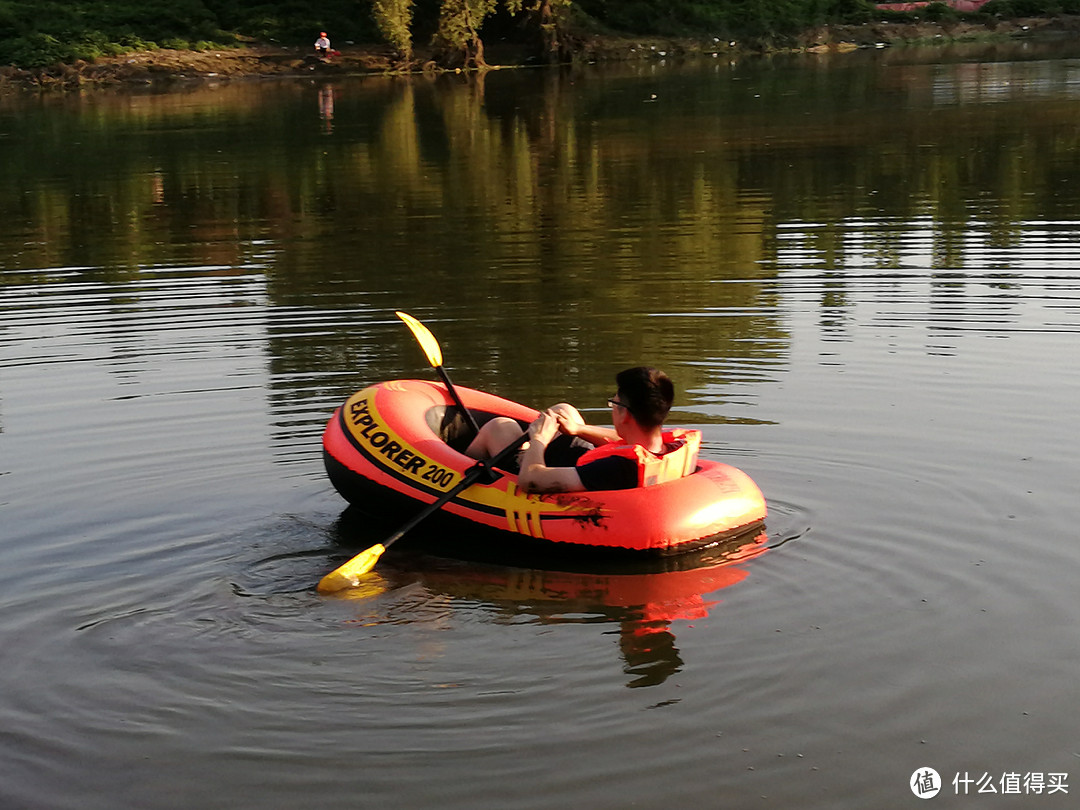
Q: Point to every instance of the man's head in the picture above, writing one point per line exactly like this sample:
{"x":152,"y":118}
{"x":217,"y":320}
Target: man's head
{"x":647,"y":393}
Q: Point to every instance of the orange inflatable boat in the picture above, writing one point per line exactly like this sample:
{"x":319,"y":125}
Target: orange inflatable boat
{"x":397,"y":446}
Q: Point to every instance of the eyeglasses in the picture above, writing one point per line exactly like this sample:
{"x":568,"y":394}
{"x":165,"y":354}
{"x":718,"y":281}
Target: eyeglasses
{"x":620,"y":404}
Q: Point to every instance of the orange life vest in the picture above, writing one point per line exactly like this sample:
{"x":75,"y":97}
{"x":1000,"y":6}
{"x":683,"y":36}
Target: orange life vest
{"x":674,"y":463}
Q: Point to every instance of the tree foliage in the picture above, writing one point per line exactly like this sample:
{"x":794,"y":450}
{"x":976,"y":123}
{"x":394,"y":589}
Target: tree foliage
{"x":728,"y":17}
{"x":394,"y":18}
{"x":458,"y":37}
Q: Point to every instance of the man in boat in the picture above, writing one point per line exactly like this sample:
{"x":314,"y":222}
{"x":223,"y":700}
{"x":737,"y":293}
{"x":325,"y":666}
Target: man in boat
{"x":564,"y":454}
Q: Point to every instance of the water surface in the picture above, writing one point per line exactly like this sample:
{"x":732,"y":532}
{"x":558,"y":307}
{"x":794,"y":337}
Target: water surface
{"x":861,"y":274}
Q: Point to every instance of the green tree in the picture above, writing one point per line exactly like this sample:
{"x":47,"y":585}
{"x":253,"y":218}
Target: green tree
{"x":457,"y":41}
{"x":542,"y":22}
{"x":394,"y":18}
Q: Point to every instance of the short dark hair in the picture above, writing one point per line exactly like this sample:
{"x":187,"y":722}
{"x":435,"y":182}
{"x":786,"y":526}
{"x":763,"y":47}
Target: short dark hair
{"x":647,"y":393}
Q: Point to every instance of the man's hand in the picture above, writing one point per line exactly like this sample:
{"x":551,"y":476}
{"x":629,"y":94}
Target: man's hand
{"x":571,"y":427}
{"x":544,"y":428}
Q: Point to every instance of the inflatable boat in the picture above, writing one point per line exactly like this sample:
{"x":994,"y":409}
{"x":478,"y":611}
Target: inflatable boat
{"x":397,"y":446}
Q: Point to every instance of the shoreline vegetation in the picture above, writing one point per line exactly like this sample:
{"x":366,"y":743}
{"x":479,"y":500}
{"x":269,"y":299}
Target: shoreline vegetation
{"x":516,"y":33}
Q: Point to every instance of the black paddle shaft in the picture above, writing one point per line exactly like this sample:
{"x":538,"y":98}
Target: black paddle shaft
{"x":457,"y":399}
{"x":473,"y":474}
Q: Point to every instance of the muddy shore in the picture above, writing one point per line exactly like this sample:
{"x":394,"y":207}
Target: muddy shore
{"x":258,"y":60}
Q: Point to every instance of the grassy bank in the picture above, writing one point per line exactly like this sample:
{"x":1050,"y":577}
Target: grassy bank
{"x":38,"y":33}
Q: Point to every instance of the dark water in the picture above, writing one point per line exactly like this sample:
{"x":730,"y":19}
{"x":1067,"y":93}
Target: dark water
{"x":861,"y":273}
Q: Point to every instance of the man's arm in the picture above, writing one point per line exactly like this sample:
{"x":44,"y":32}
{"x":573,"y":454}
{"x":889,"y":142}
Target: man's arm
{"x":590,"y":433}
{"x":535,"y":475}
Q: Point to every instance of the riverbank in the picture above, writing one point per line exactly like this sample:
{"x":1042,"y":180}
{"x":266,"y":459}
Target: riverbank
{"x":165,"y":66}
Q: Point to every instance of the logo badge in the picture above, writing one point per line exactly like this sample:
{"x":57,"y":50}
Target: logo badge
{"x":925,"y":783}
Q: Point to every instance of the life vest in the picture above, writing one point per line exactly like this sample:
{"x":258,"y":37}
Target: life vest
{"x":674,"y":463}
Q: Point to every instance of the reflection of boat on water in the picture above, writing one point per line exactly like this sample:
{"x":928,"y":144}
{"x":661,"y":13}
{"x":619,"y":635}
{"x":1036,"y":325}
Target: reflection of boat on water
{"x":643,"y":598}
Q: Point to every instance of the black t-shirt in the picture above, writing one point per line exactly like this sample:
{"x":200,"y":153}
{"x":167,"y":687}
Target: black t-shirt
{"x":613,"y":472}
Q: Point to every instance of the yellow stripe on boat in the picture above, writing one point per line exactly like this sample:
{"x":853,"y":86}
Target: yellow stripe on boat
{"x":372,"y":433}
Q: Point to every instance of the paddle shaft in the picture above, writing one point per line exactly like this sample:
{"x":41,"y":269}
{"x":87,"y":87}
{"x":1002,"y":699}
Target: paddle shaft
{"x":471,"y":476}
{"x":457,"y":400}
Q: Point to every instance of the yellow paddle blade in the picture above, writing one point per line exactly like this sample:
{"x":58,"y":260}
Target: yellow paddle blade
{"x":348,"y":575}
{"x":425,"y":338}
{"x":371,"y":587}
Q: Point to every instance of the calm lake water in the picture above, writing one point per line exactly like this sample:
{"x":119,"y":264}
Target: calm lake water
{"x":862,"y":274}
